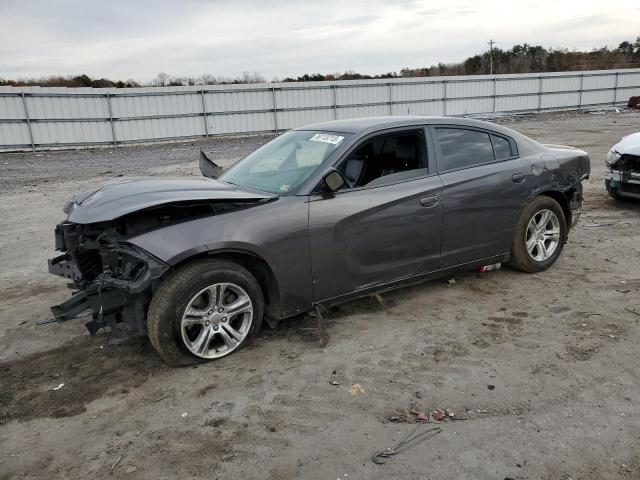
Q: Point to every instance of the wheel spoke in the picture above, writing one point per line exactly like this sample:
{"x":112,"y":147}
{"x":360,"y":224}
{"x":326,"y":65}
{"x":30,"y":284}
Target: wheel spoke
{"x":544,"y":218}
{"x":215,"y":294}
{"x":241,"y":305}
{"x":531,"y":243}
{"x":195,"y":312}
{"x":552,"y":234}
{"x":201,"y":344}
{"x":228,"y":341}
{"x":191,"y":321}
{"x":542,"y":250}
{"x":232,"y":331}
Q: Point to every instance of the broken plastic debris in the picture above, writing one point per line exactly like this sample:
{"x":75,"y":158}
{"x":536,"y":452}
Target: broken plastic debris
{"x":130,"y":469}
{"x":438,"y":415}
{"x":452,"y":281}
{"x":58,"y":387}
{"x":334,"y":382}
{"x":184,"y":415}
{"x":356,"y":389}
{"x":422,"y":417}
{"x":488,"y":268}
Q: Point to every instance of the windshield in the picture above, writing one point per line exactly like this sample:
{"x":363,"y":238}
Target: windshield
{"x":285,"y":162}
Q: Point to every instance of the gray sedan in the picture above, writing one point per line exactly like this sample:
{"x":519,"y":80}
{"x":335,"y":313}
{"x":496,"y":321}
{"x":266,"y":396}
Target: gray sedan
{"x":320,"y":215}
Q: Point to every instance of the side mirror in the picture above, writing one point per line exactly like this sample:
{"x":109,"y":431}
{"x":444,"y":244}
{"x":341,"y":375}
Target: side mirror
{"x":208,"y":167}
{"x":333,"y":180}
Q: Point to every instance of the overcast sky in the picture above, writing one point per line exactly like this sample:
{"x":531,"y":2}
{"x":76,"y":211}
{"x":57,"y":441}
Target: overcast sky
{"x":139,"y":38}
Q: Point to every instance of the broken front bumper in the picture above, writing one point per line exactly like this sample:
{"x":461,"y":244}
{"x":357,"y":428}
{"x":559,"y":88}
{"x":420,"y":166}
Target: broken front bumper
{"x":117,"y":296}
{"x":625,"y":183}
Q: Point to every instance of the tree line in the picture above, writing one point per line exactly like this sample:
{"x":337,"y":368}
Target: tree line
{"x":523,"y":58}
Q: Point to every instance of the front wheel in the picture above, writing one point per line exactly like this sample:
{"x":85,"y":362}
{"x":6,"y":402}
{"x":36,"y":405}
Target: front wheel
{"x":203,"y":311}
{"x":540,"y":235}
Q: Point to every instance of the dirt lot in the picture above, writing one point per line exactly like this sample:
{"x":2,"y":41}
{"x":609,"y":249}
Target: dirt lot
{"x":543,"y":368}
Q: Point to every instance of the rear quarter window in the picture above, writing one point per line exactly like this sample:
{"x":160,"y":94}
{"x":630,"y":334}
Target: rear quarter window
{"x":502,"y":148}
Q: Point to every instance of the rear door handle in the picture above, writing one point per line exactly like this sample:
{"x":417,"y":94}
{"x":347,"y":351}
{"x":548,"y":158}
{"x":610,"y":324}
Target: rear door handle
{"x":428,"y":202}
{"x":518,"y":177}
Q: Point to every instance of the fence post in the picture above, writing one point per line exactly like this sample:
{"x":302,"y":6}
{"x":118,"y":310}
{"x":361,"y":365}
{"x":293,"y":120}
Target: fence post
{"x":204,"y":114}
{"x":581,"y":90}
{"x":26,"y":115}
{"x":113,"y":128}
{"x":615,"y":89}
{"x":495,"y":92}
{"x":390,"y":99}
{"x":540,"y":94}
{"x":275,"y":110}
{"x":335,"y":101}
{"x":444,"y":103}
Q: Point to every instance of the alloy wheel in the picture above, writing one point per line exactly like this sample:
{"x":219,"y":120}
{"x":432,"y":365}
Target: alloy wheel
{"x":216,"y":320}
{"x":542,"y":235}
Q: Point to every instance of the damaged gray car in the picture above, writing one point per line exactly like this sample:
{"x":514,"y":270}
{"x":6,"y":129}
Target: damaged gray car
{"x":622,"y":172}
{"x":318,"y":216}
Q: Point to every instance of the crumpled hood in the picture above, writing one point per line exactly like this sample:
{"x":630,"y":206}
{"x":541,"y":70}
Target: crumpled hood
{"x":114,"y":200}
{"x":629,"y":145}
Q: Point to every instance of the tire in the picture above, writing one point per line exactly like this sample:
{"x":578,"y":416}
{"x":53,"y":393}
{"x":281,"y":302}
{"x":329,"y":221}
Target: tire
{"x":613,"y":192}
{"x":184,"y":338}
{"x":539,"y":238}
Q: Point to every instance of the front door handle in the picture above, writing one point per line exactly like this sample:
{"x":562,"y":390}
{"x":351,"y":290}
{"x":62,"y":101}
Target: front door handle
{"x":518,"y":177}
{"x":428,"y":202}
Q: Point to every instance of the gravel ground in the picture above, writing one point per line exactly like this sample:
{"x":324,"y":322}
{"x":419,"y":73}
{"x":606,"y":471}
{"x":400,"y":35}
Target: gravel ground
{"x":20,"y":170}
{"x":541,"y":369}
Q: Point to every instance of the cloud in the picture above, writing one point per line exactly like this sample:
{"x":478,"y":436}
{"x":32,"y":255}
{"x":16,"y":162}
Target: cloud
{"x":138,"y":39}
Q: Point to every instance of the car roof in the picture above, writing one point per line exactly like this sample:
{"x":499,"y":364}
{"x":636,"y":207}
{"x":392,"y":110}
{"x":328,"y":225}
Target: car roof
{"x":372,"y":124}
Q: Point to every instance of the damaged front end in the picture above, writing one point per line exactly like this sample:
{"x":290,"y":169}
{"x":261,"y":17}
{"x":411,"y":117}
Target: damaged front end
{"x":622,"y":172}
{"x":112,"y":278}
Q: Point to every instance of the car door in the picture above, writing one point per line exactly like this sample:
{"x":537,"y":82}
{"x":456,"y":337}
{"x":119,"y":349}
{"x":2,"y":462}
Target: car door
{"x":366,"y":236}
{"x":485,"y":186}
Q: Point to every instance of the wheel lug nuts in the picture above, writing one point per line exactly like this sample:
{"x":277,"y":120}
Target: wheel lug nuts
{"x":224,"y":319}
{"x":220,"y":310}
{"x":215,"y":327}
{"x":207,"y":323}
{"x":210,"y":312}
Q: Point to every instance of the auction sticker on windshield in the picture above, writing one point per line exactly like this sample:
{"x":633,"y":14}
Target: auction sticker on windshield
{"x":327,"y":138}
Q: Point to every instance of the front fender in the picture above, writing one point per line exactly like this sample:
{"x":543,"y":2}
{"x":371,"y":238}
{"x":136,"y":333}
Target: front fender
{"x":276,"y":232}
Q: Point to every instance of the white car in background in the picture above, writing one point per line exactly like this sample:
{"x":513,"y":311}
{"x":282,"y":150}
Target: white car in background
{"x":622,"y":172}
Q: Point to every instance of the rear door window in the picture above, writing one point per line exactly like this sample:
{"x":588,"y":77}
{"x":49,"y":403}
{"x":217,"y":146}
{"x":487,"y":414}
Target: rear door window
{"x":462,"y":148}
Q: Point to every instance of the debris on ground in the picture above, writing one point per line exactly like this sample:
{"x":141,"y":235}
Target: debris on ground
{"x":634,"y":102}
{"x":116,"y":462}
{"x":130,"y":469}
{"x":438,"y":415}
{"x":489,"y":268}
{"x":57,"y":388}
{"x":334,"y":382}
{"x":451,"y":281}
{"x":400,"y":416}
{"x":422,"y":417}
{"x":410,"y":440}
{"x":419,"y":415}
{"x":356,"y":389}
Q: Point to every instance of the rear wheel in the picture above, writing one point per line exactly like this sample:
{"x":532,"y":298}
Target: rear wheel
{"x":204,"y":311}
{"x":540,"y":235}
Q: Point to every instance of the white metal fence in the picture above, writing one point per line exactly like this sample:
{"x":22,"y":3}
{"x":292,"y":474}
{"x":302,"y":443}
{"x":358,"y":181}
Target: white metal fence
{"x":34,"y":118}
